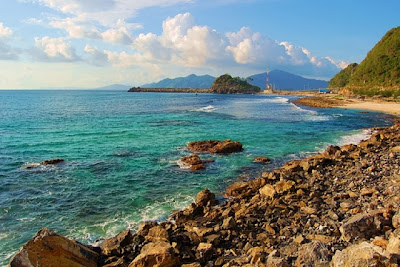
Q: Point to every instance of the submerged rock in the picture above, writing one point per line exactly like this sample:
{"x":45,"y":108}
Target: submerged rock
{"x":52,"y":161}
{"x":48,"y":248}
{"x":262,"y":160}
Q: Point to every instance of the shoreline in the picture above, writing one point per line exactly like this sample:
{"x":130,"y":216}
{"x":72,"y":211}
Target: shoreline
{"x":267,"y":220}
{"x":347,"y":102}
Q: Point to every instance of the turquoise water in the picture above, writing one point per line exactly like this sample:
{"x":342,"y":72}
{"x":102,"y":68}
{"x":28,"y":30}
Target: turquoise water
{"x":121,"y":150}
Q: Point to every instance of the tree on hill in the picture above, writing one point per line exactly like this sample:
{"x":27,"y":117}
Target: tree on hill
{"x":226,"y":84}
{"x":378,"y":73}
{"x":343,"y":77}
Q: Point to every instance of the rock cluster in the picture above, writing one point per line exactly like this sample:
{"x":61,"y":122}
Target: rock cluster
{"x":339,"y":208}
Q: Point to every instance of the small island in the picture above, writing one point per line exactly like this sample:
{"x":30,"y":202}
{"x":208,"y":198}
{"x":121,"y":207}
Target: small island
{"x":225,"y":84}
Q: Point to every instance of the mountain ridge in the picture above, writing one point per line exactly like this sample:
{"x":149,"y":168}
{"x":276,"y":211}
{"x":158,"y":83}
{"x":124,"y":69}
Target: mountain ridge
{"x":278,"y":79}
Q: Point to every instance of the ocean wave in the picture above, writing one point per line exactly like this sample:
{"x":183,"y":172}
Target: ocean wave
{"x":303,"y":109}
{"x":355,"y":137}
{"x":209,"y":108}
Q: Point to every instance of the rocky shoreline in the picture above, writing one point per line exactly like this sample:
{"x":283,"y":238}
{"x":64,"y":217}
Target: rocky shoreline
{"x":338,"y":208}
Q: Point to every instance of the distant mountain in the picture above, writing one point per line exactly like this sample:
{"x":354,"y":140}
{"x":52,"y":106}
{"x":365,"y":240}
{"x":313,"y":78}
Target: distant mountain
{"x":378,"y":73}
{"x":282,"y":80}
{"x":191,"y":81}
{"x":115,"y":87}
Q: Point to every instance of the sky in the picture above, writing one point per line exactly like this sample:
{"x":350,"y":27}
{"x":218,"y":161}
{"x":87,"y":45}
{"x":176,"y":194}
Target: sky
{"x":94,"y":43}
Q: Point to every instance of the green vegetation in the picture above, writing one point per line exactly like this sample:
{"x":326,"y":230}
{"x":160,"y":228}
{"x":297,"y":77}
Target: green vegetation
{"x":226,"y":84}
{"x":343,"y":77}
{"x":378,"y":73}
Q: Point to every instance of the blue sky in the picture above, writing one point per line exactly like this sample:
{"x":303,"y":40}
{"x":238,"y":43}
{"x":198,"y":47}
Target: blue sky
{"x":93,"y":43}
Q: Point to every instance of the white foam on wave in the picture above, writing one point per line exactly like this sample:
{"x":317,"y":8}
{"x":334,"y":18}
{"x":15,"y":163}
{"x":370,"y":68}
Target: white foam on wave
{"x":303,"y":109}
{"x":209,"y":108}
{"x":355,"y":137}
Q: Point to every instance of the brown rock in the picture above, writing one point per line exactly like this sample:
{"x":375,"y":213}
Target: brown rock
{"x":396,"y":149}
{"x":263,"y":160}
{"x":257,"y":254}
{"x":393,"y":246}
{"x":364,"y":225}
{"x":274,"y":260}
{"x":268,"y":191}
{"x":215,"y":146}
{"x":396,"y":220}
{"x":156,"y":254}
{"x":237,"y":189}
{"x":363,"y":254}
{"x":229,"y":223}
{"x":157,"y":233}
{"x":113,"y":246}
{"x":204,"y":251}
{"x":192,"y":162}
{"x":205,"y":198}
{"x":313,"y":254}
{"x":283,"y":186}
{"x":47,"y":248}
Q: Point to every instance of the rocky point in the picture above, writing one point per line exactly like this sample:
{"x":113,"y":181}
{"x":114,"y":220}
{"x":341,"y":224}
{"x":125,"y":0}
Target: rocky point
{"x":338,"y":208}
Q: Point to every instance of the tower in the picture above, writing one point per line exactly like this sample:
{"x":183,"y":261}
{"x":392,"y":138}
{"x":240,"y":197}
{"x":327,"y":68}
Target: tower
{"x":268,"y":87}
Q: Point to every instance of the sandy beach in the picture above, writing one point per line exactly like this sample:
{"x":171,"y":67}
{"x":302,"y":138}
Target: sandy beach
{"x":381,"y":106}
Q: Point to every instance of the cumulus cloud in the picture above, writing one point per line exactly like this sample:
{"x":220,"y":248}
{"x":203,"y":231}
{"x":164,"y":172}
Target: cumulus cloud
{"x":54,"y":49}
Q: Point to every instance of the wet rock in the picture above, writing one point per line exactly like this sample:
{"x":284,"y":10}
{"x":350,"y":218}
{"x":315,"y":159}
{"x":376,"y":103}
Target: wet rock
{"x":114,"y":246}
{"x":313,"y":254}
{"x":192,"y":162}
{"x":52,"y":161}
{"x":47,"y":248}
{"x":215,"y":146}
{"x":363,"y":254}
{"x":156,"y":254}
{"x":262,"y":160}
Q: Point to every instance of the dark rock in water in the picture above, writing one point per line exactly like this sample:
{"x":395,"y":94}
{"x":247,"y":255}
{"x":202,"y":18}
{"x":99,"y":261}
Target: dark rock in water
{"x":47,"y":248}
{"x":215,"y":146}
{"x":52,"y":161}
{"x":262,"y":160}
{"x":192,"y":162}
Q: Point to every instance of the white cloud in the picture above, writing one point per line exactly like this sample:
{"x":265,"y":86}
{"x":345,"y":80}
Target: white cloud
{"x":120,"y":35}
{"x":54,"y":49}
{"x":5,"y":31}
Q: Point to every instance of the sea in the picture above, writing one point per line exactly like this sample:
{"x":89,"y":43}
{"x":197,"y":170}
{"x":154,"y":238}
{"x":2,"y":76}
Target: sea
{"x":120,"y":151}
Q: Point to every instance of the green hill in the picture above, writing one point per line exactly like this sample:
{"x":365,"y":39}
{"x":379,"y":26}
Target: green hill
{"x":226,"y":84}
{"x":378,"y":73}
{"x":191,"y":81}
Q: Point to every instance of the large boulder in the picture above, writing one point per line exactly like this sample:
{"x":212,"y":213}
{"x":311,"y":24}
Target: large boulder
{"x":156,"y":254}
{"x":365,"y":225}
{"x":362,"y":254}
{"x":205,"y":198}
{"x":114,"y":246}
{"x":48,"y":248}
{"x":215,"y":146}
